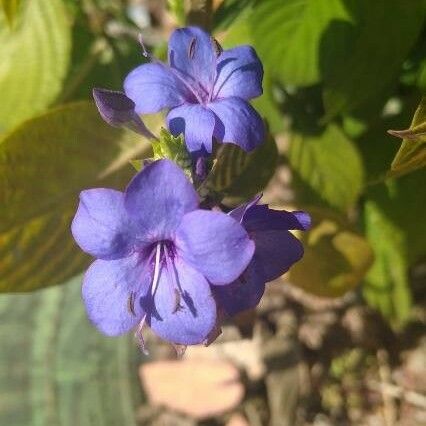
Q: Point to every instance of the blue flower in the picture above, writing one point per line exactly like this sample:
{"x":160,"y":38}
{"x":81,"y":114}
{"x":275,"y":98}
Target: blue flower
{"x":276,"y":250}
{"x":157,"y":255}
{"x":205,"y":89}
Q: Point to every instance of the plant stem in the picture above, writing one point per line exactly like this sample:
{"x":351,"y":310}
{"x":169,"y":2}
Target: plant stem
{"x":199,"y":12}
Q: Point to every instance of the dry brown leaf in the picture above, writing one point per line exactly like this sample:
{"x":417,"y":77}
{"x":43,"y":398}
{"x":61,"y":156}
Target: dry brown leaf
{"x":198,"y":388}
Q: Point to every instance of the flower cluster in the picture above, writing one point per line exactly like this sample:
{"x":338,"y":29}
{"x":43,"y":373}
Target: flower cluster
{"x":164,"y":258}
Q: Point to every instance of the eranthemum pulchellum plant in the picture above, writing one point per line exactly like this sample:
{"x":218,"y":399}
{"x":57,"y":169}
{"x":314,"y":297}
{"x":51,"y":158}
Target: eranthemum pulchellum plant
{"x":165,"y":257}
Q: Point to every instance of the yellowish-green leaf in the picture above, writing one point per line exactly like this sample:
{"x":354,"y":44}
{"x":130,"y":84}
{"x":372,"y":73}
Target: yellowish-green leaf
{"x":336,"y":257}
{"x":412,"y":153}
{"x":327,"y":167}
{"x":34,"y":59}
{"x":10,"y":9}
{"x":44,"y":164}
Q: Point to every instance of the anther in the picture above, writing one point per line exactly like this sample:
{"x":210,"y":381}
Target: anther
{"x":131,"y":303}
{"x":191,"y":49}
{"x":216,"y":46}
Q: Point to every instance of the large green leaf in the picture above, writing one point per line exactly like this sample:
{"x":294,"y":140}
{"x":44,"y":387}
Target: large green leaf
{"x":327,"y":167}
{"x":336,"y":257}
{"x":387,"y":31}
{"x":56,"y":369}
{"x":34,"y":59}
{"x":44,"y":164}
{"x":412,"y":153}
{"x":298,"y":38}
{"x":240,"y":175}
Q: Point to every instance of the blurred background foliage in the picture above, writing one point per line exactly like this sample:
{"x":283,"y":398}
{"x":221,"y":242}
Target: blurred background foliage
{"x":338,"y":75}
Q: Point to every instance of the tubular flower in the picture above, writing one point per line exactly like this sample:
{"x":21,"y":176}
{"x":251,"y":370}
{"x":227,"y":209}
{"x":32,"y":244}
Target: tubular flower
{"x":276,"y":250}
{"x":158,"y":256}
{"x":205,"y":89}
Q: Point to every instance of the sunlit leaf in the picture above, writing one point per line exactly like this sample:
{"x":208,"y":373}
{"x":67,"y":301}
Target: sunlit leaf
{"x":412,"y":153}
{"x":336,"y":257}
{"x":44,"y":164}
{"x":240,"y":175}
{"x":298,"y":38}
{"x":387,"y":29}
{"x":57,"y":369}
{"x":34,"y":59}
{"x":327,"y":167}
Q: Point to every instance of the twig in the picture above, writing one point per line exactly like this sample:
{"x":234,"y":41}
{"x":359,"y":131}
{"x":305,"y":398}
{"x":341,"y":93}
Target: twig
{"x":389,"y":410}
{"x":413,"y":398}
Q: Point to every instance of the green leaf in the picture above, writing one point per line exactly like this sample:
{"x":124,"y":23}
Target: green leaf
{"x":336,"y":257}
{"x":57,"y":369}
{"x":327,"y":167}
{"x":10,"y":9}
{"x":228,"y":12}
{"x":387,"y":31}
{"x":297,"y":39}
{"x":34,"y":60}
{"x":412,"y":153}
{"x":396,"y":232}
{"x":240,"y":175}
{"x":173,"y":148}
{"x":44,"y":164}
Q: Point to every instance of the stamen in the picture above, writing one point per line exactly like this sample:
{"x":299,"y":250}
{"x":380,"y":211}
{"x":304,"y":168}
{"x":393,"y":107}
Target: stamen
{"x":144,"y":50}
{"x":177,"y":306}
{"x":156,"y":278}
{"x":191,"y":49}
{"x":157,"y":269}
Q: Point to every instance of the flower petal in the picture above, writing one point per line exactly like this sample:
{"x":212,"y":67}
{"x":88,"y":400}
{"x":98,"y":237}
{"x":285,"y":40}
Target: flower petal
{"x":153,"y":87}
{"x":239,"y":73}
{"x":261,"y":217}
{"x":196,"y":123}
{"x":184,"y":310}
{"x":191,"y":52}
{"x":119,"y":111}
{"x":244,"y":293}
{"x":215,"y":244}
{"x":275,"y":252}
{"x":157,"y":198}
{"x":237,"y":122}
{"x":111,"y":292}
{"x":101,"y":226}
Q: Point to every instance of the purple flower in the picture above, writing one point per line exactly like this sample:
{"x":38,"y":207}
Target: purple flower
{"x":157,"y":254}
{"x":276,"y":250}
{"x":205,"y":89}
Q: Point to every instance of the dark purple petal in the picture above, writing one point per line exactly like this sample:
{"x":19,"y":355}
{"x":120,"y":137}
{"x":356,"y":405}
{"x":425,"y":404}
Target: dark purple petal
{"x":237,"y":122}
{"x":184,"y":310}
{"x":153,"y":87}
{"x":244,"y":293}
{"x":119,"y":111}
{"x":239,"y":73}
{"x":112,"y":291}
{"x":239,"y":212}
{"x":101,"y":226}
{"x":261,"y":217}
{"x":275,"y":252}
{"x":157,"y":198}
{"x":191,"y":52}
{"x":196,"y":123}
{"x":214,"y":244}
